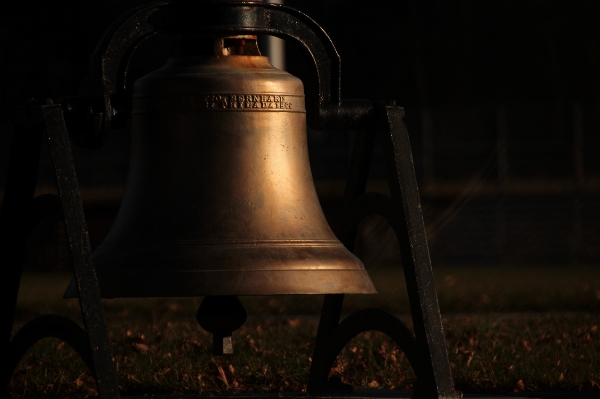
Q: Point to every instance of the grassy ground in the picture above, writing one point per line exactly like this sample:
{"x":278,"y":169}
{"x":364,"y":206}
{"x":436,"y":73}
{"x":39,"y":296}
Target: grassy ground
{"x":507,"y":329}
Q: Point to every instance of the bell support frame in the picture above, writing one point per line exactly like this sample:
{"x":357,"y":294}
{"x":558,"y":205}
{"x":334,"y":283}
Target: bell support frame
{"x":102,"y":104}
{"x":91,"y":344}
{"x":426,"y":350}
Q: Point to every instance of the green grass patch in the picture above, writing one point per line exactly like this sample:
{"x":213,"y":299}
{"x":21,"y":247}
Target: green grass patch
{"x":159,"y":348}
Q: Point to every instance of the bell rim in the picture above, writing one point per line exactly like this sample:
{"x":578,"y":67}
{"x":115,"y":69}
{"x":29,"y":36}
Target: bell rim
{"x":135,"y":284}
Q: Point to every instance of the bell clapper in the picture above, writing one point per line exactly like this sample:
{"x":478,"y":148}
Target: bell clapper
{"x":221,"y":315}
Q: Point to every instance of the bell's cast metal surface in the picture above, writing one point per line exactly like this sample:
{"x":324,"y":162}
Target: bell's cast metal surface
{"x":220,"y":199}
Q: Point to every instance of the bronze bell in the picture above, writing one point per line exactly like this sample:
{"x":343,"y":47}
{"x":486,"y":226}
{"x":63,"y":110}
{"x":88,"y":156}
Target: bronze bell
{"x":220,"y":198}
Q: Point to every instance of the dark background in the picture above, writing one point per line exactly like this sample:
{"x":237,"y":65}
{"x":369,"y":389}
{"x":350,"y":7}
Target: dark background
{"x":502,"y":101}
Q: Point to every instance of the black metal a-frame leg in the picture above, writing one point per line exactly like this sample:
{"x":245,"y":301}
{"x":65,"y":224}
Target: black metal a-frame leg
{"x":20,"y":212}
{"x":426,"y":350}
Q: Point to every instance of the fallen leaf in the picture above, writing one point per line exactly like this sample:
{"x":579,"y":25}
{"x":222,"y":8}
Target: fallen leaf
{"x":526,"y":345}
{"x":140,"y":346}
{"x":470,"y":358}
{"x":489,"y":366}
{"x":336,"y":369}
{"x":519,"y":386}
{"x":222,"y":375}
{"x":253,"y":345}
{"x":294,"y":322}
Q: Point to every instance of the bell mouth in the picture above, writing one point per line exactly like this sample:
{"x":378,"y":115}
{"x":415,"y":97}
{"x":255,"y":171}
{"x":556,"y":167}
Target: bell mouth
{"x":200,"y":268}
{"x":132,"y":284}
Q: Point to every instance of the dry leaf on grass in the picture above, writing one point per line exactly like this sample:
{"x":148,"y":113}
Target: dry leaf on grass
{"x":222,"y":375}
{"x":294,"y":322}
{"x":526,"y":345}
{"x":373,"y":384}
{"x":470,"y":358}
{"x":253,"y":345}
{"x":519,"y":386}
{"x":141,"y":347}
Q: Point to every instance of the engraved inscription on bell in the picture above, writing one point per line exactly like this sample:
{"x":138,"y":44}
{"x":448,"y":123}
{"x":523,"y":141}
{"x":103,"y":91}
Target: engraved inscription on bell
{"x":196,"y":101}
{"x":248,"y":101}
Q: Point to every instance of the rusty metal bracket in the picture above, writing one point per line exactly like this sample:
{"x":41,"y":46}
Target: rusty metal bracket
{"x":426,"y":351}
{"x":92,"y":343}
{"x":340,"y":334}
{"x":46,"y":326}
{"x":103,"y":99}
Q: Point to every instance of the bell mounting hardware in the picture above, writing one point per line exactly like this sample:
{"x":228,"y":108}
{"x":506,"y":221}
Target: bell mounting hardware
{"x":220,"y":200}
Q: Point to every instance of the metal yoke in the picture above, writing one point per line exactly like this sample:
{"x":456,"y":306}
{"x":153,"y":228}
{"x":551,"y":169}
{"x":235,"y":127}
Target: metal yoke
{"x":102,"y":104}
